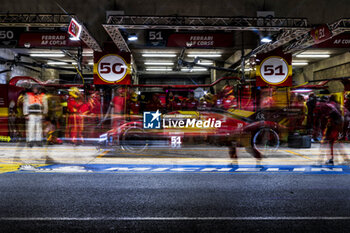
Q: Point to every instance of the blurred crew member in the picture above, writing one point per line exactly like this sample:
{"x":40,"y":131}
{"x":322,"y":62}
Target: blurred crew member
{"x":175,"y":104}
{"x":191,"y":103}
{"x":229,"y":100}
{"x":311,"y":105}
{"x":333,"y":128}
{"x":143,"y":103}
{"x":34,"y":108}
{"x":154,"y":104}
{"x":206,"y":102}
{"x":93,"y":118}
{"x":75,"y":121}
{"x":134,"y":104}
{"x":296,"y":122}
{"x":119,"y":107}
{"x":169,"y":101}
{"x":346,"y":127}
{"x":320,"y":117}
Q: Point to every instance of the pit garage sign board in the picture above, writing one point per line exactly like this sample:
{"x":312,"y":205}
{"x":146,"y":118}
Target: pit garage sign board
{"x":274,"y":69}
{"x":112,"y":68}
{"x":74,"y":29}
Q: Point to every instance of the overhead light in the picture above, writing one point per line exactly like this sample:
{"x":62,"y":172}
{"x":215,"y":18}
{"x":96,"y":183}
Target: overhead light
{"x":159,"y":55}
{"x":73,"y":38}
{"x":159,"y":63}
{"x":159,"y":69}
{"x":46,"y":55}
{"x":132,"y":37}
{"x":266,"y":40}
{"x":90,"y":63}
{"x":299,"y":63}
{"x":247,"y":69}
{"x":204,"y":55}
{"x":194,"y":69}
{"x":314,"y":55}
{"x":57,"y":63}
{"x":302,"y":90}
{"x":206,"y":63}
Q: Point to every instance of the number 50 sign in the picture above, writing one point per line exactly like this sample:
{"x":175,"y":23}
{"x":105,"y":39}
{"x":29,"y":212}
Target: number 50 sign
{"x":274,"y":71}
{"x":111,"y":69}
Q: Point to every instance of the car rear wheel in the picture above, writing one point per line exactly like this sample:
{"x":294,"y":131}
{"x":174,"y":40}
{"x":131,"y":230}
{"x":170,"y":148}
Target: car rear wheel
{"x":265,"y":141}
{"x":134,"y":139}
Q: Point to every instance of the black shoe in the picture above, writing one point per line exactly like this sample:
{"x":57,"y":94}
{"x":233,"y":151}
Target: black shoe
{"x":330,"y":162}
{"x":39,"y":143}
{"x":30,"y":144}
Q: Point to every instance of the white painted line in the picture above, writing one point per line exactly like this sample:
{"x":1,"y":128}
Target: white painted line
{"x":276,"y":218}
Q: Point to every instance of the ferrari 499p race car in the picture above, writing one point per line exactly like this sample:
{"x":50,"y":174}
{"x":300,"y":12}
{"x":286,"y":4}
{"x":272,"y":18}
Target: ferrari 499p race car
{"x":182,"y":128}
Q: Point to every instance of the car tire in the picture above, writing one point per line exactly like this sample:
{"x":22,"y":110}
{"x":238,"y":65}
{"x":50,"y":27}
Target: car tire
{"x":134,"y":139}
{"x":265,"y":140}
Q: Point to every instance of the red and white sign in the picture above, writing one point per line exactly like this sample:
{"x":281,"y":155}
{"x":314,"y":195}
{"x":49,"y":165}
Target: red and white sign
{"x":274,"y":70}
{"x":339,"y":41}
{"x":321,"y":33}
{"x":201,"y":40}
{"x":57,"y":39}
{"x":74,"y":29}
{"x":112,"y":69}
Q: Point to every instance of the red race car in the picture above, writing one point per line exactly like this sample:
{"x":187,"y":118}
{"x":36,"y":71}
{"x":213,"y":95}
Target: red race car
{"x":182,"y":128}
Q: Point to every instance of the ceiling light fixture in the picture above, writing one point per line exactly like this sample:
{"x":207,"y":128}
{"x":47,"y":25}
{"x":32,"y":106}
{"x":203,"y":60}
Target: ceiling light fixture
{"x":314,"y":55}
{"x":132,"y":37}
{"x":159,"y":69}
{"x":204,"y":55}
{"x":299,"y":63}
{"x":159,"y":55}
{"x":266,"y":40}
{"x":57,"y":63}
{"x":46,"y":55}
{"x":159,"y":63}
{"x":206,"y":63}
{"x":194,"y":70}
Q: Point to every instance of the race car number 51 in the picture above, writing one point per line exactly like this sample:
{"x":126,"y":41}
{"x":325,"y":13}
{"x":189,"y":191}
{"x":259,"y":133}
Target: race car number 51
{"x":274,"y":70}
{"x":112,"y":68}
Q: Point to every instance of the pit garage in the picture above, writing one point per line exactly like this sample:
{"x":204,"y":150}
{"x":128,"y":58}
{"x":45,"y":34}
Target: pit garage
{"x":169,"y":117}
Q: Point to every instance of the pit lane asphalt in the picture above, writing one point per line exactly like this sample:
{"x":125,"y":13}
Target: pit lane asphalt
{"x":171,"y":202}
{"x":180,"y":202}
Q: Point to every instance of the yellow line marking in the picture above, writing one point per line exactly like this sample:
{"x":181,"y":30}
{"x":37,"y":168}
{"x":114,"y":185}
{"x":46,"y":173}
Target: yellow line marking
{"x":102,"y":154}
{"x":298,"y":154}
{"x":150,"y":155}
{"x":47,"y":148}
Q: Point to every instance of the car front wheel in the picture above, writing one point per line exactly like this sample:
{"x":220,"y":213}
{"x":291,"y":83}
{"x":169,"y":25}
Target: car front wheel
{"x":265,"y":140}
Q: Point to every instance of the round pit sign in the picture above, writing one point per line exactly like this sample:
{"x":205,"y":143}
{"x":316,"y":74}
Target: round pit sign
{"x":112,"y":68}
{"x":274,"y":70}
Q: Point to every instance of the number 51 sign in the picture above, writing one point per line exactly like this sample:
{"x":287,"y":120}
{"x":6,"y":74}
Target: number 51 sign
{"x":273,"y":70}
{"x":112,"y":69}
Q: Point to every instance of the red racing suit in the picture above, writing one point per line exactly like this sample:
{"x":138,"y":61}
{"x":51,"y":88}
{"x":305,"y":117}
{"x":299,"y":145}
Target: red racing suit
{"x":75,"y":120}
{"x":190,"y":104}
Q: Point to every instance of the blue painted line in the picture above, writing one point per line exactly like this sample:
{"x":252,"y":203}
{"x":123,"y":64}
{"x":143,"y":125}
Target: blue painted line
{"x":239,"y":169}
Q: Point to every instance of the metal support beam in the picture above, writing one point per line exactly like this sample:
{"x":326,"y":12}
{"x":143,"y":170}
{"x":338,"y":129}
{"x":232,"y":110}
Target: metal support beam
{"x":338,"y":27}
{"x":34,"y":20}
{"x":47,"y":20}
{"x":282,"y":39}
{"x":206,"y":23}
{"x":117,"y":37}
{"x":86,"y":37}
